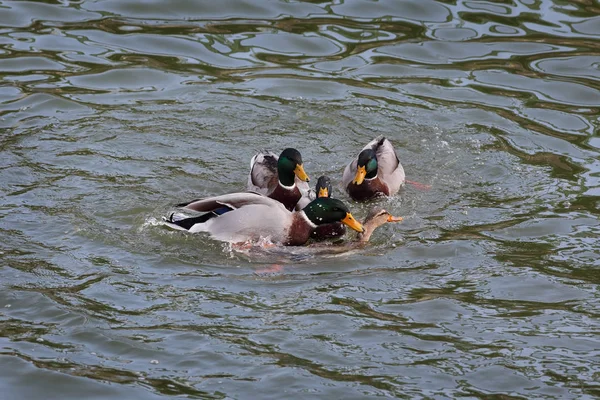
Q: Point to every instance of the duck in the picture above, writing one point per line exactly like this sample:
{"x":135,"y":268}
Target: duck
{"x":325,"y":231}
{"x":281,"y":178}
{"x":376,"y":218}
{"x":375,"y":172}
{"x":322,"y":189}
{"x":247,"y":216}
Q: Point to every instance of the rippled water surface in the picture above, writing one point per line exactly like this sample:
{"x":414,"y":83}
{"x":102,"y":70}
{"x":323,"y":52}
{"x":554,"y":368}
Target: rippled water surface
{"x":113,"y":111}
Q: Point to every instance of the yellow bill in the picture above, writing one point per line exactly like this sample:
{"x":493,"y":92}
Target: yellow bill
{"x":300,"y":173}
{"x":361,"y":172}
{"x":323,"y":192}
{"x":352,"y":223}
{"x":391,"y":218}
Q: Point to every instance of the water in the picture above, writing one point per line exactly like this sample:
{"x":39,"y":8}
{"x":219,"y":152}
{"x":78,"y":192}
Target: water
{"x":113,"y":111}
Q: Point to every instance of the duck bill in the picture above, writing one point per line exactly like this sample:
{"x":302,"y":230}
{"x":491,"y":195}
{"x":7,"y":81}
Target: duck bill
{"x":352,"y":223}
{"x":323,"y":192}
{"x":361,"y":172}
{"x":391,"y":218}
{"x":300,"y":173}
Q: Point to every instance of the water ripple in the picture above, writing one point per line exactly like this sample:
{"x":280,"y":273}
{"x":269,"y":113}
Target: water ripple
{"x":114,"y":111}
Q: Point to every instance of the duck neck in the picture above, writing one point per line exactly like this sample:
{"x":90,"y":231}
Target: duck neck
{"x":371,"y":174}
{"x":369,"y":227}
{"x":287,"y":177}
{"x":288,"y":196}
{"x":365,"y":236}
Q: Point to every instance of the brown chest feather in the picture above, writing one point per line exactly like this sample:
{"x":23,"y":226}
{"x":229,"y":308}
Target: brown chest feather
{"x":287,"y":197}
{"x":299,"y":232}
{"x":368,"y":190}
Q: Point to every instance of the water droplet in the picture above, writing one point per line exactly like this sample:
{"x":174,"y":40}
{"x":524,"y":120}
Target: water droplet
{"x":154,"y":362}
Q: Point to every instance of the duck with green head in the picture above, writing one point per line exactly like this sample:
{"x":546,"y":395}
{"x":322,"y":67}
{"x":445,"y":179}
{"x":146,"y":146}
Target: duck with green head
{"x":374,"y":219}
{"x":376,"y":171}
{"x":242,"y":217}
{"x":334,"y":229}
{"x":281,"y":178}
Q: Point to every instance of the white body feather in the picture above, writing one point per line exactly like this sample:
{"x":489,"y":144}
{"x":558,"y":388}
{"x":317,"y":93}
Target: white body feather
{"x":253,"y":217}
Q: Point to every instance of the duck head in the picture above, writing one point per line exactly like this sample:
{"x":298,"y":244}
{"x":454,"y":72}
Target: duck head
{"x":366,"y":167}
{"x":289,"y":166}
{"x":374,"y":220}
{"x":323,"y":188}
{"x":325,"y":210}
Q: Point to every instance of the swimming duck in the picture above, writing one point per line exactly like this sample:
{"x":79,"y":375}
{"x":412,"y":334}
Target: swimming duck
{"x":322,"y":189}
{"x":239,"y":217}
{"x":374,"y":220}
{"x":375,"y":172}
{"x":281,"y":178}
{"x":325,"y":231}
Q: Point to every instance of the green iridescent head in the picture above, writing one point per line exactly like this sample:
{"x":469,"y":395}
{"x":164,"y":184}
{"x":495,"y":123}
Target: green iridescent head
{"x":290,"y":166}
{"x":325,"y":210}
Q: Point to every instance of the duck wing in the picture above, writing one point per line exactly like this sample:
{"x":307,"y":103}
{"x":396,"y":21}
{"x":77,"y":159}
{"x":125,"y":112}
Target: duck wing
{"x":250,"y":222}
{"x":232,"y":200}
{"x":349,"y":172}
{"x":263,"y":177}
{"x":389,"y":168}
{"x":237,"y":217}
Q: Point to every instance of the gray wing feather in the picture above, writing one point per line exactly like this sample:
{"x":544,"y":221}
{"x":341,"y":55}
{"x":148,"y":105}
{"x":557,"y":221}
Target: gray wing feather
{"x":349,"y":173}
{"x":233,"y":200}
{"x":250,"y":222}
{"x":263,"y":176}
{"x":389,"y":167}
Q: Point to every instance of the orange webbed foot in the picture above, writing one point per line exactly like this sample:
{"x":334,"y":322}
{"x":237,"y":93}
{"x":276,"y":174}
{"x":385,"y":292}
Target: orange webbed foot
{"x":419,"y":185}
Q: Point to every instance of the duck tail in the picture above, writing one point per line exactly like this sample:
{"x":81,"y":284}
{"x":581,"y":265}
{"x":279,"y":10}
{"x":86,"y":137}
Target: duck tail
{"x":186,"y":223}
{"x":189,"y":222}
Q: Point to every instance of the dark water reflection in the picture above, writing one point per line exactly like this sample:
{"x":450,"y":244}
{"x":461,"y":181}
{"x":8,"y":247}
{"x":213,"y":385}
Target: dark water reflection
{"x":113,"y":111}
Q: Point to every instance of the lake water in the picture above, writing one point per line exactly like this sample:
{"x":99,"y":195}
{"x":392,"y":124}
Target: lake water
{"x":113,"y":111}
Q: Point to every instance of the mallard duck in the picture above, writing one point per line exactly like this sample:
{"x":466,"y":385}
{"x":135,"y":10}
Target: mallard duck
{"x":322,"y":189}
{"x":240,"y":217}
{"x":281,"y":178}
{"x":376,"y":218}
{"x":331,"y":230}
{"x":375,"y":172}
